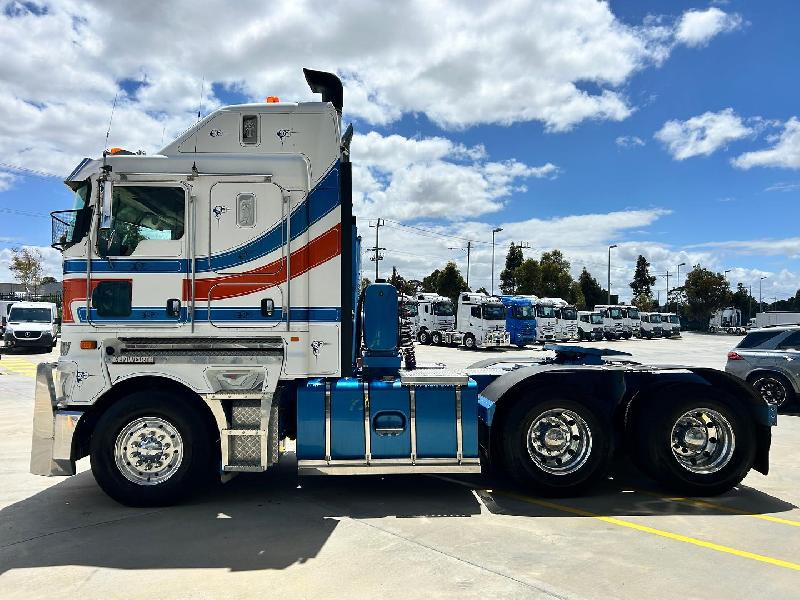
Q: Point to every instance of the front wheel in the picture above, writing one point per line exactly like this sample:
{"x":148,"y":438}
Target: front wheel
{"x":557,"y":447}
{"x":469,"y":342}
{"x":698,"y":445}
{"x":150,"y":449}
{"x":423,"y":337}
{"x":436,"y":338}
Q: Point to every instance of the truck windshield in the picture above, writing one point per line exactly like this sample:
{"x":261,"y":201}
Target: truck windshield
{"x":443,"y":309}
{"x":494,"y":312}
{"x":633,"y":313}
{"x":409,"y":309}
{"x":664,"y":318}
{"x":597,"y":319}
{"x":29,"y":315}
{"x":569,"y":314}
{"x":546,"y":312}
{"x":615,"y":313}
{"x":674,"y":319}
{"x":523,"y":312}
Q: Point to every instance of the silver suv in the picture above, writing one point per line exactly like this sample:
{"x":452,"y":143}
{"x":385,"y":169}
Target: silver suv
{"x":769,"y":359}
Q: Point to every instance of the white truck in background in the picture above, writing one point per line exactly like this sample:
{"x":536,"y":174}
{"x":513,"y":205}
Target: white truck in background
{"x":435,"y":314}
{"x":769,"y":319}
{"x":480,"y":323}
{"x":633,"y":321}
{"x":651,"y":326}
{"x":566,"y":319}
{"x":670,"y":324}
{"x":727,"y":320}
{"x":590,"y":325}
{"x":613,"y":321}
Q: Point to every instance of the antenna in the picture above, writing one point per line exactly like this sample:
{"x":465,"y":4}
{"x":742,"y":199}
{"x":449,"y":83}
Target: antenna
{"x":110,"y":120}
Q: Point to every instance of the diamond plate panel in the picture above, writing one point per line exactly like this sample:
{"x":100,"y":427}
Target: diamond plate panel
{"x":246,"y":414}
{"x":245,"y":450}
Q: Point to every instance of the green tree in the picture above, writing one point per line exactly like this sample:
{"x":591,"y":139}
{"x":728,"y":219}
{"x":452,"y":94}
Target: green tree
{"x":403,"y":286}
{"x":705,"y":292}
{"x":556,"y":276}
{"x":48,"y":279}
{"x":26,"y":265}
{"x":450,"y":282}
{"x":576,"y":297}
{"x":364,"y":283}
{"x":508,"y":277}
{"x":593,"y":294}
{"x":642,"y":284}
{"x":742,"y":300}
{"x":431,"y":282}
{"x":528,"y":277}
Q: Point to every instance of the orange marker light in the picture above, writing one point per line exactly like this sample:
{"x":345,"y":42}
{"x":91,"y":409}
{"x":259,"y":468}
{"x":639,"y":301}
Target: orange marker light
{"x":273,"y":99}
{"x":295,"y":338}
{"x":88,"y":344}
{"x":116,"y":150}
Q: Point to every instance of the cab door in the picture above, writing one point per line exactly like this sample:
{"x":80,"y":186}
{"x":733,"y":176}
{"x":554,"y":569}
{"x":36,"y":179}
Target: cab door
{"x":247,"y":255}
{"x":138,"y":277}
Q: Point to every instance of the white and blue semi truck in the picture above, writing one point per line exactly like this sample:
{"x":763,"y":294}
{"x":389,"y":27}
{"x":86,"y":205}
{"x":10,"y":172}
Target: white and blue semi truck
{"x":212,"y":311}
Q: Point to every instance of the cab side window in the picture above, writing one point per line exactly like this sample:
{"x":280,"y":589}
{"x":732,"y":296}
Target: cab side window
{"x":475,"y":311}
{"x":790,"y":342}
{"x":143,"y":213}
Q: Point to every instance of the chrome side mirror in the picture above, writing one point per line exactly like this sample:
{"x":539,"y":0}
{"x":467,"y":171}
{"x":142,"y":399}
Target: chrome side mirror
{"x":106,"y":195}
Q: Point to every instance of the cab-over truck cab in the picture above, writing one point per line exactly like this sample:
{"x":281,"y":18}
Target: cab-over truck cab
{"x":435,"y":314}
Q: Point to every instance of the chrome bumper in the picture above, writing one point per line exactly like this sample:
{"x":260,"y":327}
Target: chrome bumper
{"x":53,"y":429}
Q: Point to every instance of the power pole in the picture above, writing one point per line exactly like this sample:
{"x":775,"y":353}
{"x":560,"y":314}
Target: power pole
{"x":468,"y":250}
{"x":666,"y":302}
{"x":377,"y":249}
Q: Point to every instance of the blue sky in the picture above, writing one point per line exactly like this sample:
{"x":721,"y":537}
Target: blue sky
{"x":647,"y":145}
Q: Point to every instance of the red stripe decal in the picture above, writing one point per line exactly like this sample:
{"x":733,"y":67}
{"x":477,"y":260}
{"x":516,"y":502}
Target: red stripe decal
{"x":319,"y":250}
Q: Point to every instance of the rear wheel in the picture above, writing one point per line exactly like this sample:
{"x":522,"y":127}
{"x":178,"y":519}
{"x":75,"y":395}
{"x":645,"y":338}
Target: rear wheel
{"x":150,"y":449}
{"x":773,"y":388}
{"x":424,"y":337}
{"x":469,"y":341}
{"x":696,"y":444}
{"x":556,"y":447}
{"x":436,"y":338}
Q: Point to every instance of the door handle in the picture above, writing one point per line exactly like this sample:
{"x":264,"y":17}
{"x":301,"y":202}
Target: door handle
{"x":173,"y":307}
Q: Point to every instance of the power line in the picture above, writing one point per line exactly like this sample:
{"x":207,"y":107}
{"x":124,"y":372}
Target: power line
{"x":26,"y":170}
{"x":23,"y":213}
{"x":377,"y":249}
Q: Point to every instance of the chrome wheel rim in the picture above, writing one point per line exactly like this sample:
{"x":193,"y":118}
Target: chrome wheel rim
{"x":559,"y":441}
{"x":702,"y":441}
{"x":771,"y":390}
{"x":469,"y":342}
{"x":148,"y":451}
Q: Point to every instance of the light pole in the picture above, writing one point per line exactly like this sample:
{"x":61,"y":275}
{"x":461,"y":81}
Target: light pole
{"x":609,"y":271}
{"x":494,"y":231}
{"x":677,"y":285}
{"x":760,"y":307}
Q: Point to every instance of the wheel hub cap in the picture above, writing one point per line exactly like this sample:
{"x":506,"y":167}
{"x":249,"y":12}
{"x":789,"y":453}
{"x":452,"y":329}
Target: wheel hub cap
{"x":559,"y":441}
{"x":148,"y":451}
{"x":702,"y":441}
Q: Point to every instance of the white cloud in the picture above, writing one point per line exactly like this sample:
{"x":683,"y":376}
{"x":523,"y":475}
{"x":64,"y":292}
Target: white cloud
{"x":6,"y":180}
{"x":765,"y":247}
{"x":459,"y":64}
{"x":410,"y":178}
{"x":51,"y":262}
{"x":784,"y":186}
{"x":702,"y":135}
{"x":629,"y":141}
{"x":697,"y":27}
{"x":785,"y":153}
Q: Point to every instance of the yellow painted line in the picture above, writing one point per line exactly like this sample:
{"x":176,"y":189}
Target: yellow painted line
{"x":729,"y":509}
{"x":17,"y":365}
{"x":659,"y":532}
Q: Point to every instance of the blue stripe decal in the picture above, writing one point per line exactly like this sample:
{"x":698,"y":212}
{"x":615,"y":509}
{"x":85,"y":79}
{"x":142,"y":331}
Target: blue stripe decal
{"x":320,"y":201}
{"x":245,"y":314}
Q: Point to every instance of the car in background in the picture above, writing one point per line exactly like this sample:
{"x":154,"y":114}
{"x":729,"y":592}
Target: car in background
{"x":769,"y":360}
{"x":32,"y":324}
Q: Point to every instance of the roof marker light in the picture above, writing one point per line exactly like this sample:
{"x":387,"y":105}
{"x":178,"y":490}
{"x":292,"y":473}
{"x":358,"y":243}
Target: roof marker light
{"x":272,"y":99}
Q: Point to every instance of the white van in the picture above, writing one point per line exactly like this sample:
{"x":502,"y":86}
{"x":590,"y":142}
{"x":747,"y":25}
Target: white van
{"x":32,"y":324}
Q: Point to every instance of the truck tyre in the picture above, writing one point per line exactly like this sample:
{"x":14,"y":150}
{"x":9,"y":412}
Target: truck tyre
{"x":557,"y":447}
{"x":436,"y":338}
{"x":424,"y":337}
{"x":469,"y":342}
{"x":150,"y":449}
{"x":773,"y":388}
{"x":697,"y":444}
